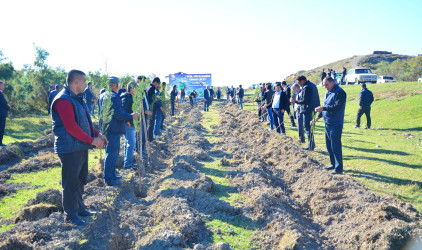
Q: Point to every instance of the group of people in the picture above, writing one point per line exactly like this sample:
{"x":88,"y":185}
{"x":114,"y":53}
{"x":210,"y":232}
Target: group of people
{"x":308,"y":110}
{"x":233,"y":93}
{"x":332,"y":73}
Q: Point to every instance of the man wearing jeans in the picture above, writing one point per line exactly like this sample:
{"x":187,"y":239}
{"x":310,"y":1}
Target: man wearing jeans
{"x":365,"y":100}
{"x":113,"y":130}
{"x":130,"y":137}
{"x":74,"y":134}
{"x":241,"y":95}
{"x":268,"y":97}
{"x":279,"y":105}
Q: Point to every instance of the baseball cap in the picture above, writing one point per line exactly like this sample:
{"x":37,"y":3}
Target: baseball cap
{"x":112,"y":80}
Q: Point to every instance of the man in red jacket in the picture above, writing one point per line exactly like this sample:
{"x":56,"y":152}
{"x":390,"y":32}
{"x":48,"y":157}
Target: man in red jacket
{"x":74,"y":135}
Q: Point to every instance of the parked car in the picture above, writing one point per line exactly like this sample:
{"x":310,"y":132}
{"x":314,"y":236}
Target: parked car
{"x":339,"y":75}
{"x":384,"y":79}
{"x":358,"y":75}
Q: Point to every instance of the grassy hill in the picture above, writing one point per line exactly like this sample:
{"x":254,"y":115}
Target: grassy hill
{"x":388,"y":158}
{"x":402,"y":67}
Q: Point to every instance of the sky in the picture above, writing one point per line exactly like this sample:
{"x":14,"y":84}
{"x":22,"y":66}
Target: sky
{"x":238,"y":42}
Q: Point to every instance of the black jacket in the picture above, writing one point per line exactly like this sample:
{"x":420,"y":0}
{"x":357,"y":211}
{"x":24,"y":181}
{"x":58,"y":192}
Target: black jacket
{"x":206,"y":95}
{"x":150,"y":89}
{"x":268,"y":98}
{"x":366,"y":98}
{"x":241,"y":93}
{"x":4,"y":107}
{"x":288,"y":92}
{"x":173,"y":95}
{"x":182,"y":93}
{"x":323,"y":75}
{"x":310,"y":98}
{"x":127,"y":103}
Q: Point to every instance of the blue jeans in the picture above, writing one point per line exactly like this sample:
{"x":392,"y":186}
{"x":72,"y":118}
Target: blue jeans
{"x":195,"y":102}
{"x":158,"y":120}
{"x":300,"y":126}
{"x":279,"y":121}
{"x":182,"y":99}
{"x":333,"y":143}
{"x":241,"y":102}
{"x":129,"y":147}
{"x":270,"y":117}
{"x":111,"y":155}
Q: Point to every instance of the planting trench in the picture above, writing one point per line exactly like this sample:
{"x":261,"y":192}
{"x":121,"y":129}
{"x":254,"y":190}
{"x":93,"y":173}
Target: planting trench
{"x":225,"y":186}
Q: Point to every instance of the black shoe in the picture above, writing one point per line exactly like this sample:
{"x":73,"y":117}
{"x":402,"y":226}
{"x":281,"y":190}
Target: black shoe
{"x":85,"y":213}
{"x":76,"y":220}
{"x":118,"y":177}
{"x":3,"y":145}
{"x":114,"y":183}
{"x":293,"y":125}
{"x":337,"y":172}
{"x":308,"y":148}
{"x":329,"y":168}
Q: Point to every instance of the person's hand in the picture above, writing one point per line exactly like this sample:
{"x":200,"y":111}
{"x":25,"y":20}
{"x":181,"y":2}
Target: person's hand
{"x":147,"y":112}
{"x":316,"y":119}
{"x":360,"y":107}
{"x":134,"y":116}
{"x":263,"y":108}
{"x":282,"y":111}
{"x":105,"y":141}
{"x":292,"y":100}
{"x":319,"y":109}
{"x":128,"y":123}
{"x":98,"y":142}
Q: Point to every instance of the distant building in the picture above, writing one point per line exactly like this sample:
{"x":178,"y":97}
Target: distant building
{"x":378,"y":52}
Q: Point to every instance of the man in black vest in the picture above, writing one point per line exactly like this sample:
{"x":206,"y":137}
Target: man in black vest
{"x":286,"y":88}
{"x":310,"y":100}
{"x":4,"y":108}
{"x":74,"y":135}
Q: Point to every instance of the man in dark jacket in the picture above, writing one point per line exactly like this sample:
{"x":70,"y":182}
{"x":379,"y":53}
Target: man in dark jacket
{"x":207,"y":98}
{"x":151,"y":98}
{"x":130,"y":135}
{"x":228,"y":92}
{"x":279,"y":105}
{"x":89,"y":97}
{"x":286,"y":88}
{"x":343,"y":75}
{"x":212,"y":95}
{"x":4,"y":108}
{"x":365,"y":100}
{"x":310,"y":100}
{"x":173,"y":95}
{"x":268,"y":98}
{"x":113,"y":130}
{"x":74,"y":134}
{"x":218,"y":93}
{"x":182,"y":95}
{"x":53,"y":95}
{"x":241,"y":95}
{"x":333,"y":113}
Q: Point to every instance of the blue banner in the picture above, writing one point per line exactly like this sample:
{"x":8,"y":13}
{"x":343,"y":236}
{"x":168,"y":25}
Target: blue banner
{"x":190,"y":82}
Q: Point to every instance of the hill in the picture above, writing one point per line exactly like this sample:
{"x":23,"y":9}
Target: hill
{"x":401,"y":67}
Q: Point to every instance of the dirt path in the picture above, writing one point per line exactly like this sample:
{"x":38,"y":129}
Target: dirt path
{"x":245,"y":186}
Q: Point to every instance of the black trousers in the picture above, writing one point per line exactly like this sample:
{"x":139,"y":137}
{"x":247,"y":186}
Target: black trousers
{"x":150,"y":128}
{"x":74,"y":177}
{"x":2,"y":126}
{"x":367,"y":112}
{"x":172,"y":108}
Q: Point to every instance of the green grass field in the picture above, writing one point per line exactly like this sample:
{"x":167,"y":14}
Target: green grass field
{"x":385,"y":159}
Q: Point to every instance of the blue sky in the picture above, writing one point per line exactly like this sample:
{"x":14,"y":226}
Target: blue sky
{"x":239,"y":42}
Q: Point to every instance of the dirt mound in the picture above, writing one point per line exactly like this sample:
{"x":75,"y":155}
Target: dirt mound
{"x":35,"y":212}
{"x":49,"y":196}
{"x":20,"y":149}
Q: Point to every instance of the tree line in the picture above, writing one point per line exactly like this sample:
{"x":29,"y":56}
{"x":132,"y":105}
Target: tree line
{"x":27,"y":88}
